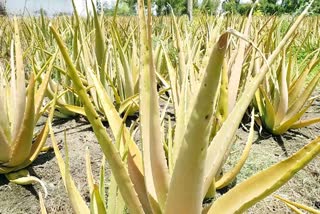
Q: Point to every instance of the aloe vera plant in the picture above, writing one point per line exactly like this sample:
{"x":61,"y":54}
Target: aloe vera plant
{"x":285,"y":96}
{"x":151,"y":182}
{"x":21,"y":108}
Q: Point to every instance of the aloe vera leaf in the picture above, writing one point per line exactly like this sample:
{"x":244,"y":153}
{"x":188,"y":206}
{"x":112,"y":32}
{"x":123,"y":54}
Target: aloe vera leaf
{"x":112,"y":196}
{"x":19,"y":97}
{"x":182,"y":115}
{"x":74,"y":109}
{"x":230,"y":176}
{"x":5,"y":147}
{"x":236,"y":68}
{"x":96,"y":203}
{"x":114,"y":159}
{"x":286,"y":124}
{"x":135,"y":158}
{"x":221,"y":112}
{"x":304,"y":123}
{"x":173,"y":80}
{"x":297,"y":86}
{"x":268,"y":118}
{"x":102,"y":188}
{"x":282,"y":107}
{"x":38,"y":144}
{"x":128,"y":81}
{"x":100,"y":46}
{"x":77,"y":202}
{"x":22,"y":177}
{"x":22,"y":144}
{"x":217,"y":150}
{"x":262,"y":184}
{"x":130,"y":101}
{"x":155,"y":169}
{"x":297,"y":205}
{"x":193,"y":149}
{"x":40,"y":93}
{"x":89,"y":171}
{"x":302,"y":99}
{"x":4,"y":119}
{"x":149,"y":204}
{"x":182,"y":58}
{"x":43,"y":209}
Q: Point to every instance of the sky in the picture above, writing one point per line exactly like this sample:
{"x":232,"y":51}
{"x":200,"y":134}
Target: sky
{"x":50,"y":6}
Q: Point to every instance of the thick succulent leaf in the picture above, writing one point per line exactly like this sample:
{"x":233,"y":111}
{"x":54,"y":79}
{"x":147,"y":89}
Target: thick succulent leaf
{"x":36,"y":148}
{"x":128,"y":81}
{"x":43,"y":209}
{"x":117,"y":166}
{"x":89,"y":171}
{"x":183,"y":69}
{"x":131,"y":102}
{"x":262,"y":184}
{"x":38,"y":144}
{"x":77,"y":202}
{"x":296,"y":88}
{"x":193,"y":149}
{"x":224,"y":138}
{"x":173,"y":80}
{"x":96,"y":203}
{"x":112,"y":196}
{"x":102,"y":188}
{"x":20,"y":89}
{"x":155,"y":168}
{"x":114,"y":119}
{"x":182,"y":115}
{"x":297,"y":205}
{"x":4,"y":148}
{"x":235,"y":69}
{"x":22,"y":177}
{"x":100,"y":46}
{"x":40,"y":93}
{"x":268,"y":116}
{"x":74,"y":109}
{"x":286,"y":124}
{"x":282,"y":107}
{"x":303,"y":98}
{"x":135,"y":166}
{"x":12,"y":91}
{"x":231,"y":175}
{"x":22,"y":144}
{"x":221,"y":112}
{"x":4,"y":119}
{"x":150,"y":205}
{"x":304,"y":123}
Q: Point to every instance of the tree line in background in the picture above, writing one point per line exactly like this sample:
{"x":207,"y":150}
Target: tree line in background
{"x":164,"y":7}
{"x":264,"y":7}
{"x":270,"y":7}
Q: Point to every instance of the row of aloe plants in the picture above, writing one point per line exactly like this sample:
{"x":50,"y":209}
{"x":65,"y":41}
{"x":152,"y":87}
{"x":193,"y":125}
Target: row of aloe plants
{"x":210,"y":80}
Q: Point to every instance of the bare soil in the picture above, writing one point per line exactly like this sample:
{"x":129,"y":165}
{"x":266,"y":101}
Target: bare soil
{"x":267,"y":150}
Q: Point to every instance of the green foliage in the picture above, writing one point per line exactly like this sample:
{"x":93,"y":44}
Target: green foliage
{"x":210,"y":6}
{"x":270,"y":7}
{"x":124,"y":9}
{"x":244,"y":9}
{"x":164,"y":7}
{"x":231,"y":6}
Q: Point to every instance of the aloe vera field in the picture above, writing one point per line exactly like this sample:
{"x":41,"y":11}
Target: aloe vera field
{"x":160,"y":114}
